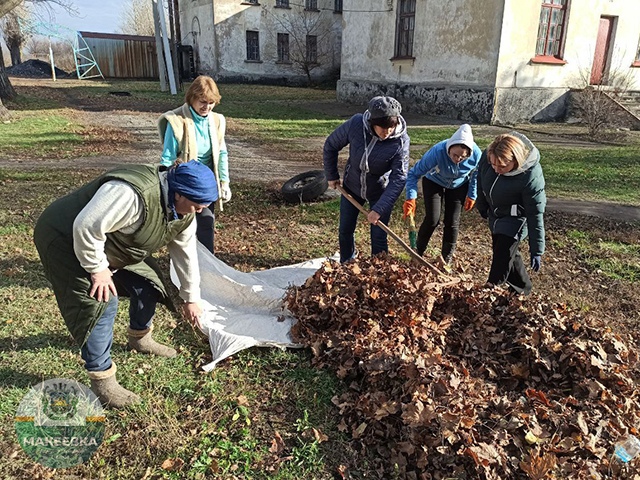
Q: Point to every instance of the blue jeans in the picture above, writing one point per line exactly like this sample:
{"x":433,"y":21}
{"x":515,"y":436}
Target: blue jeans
{"x":96,"y":352}
{"x":346,"y":230}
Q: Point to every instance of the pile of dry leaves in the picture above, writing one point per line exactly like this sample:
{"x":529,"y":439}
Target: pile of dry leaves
{"x":454,"y":380}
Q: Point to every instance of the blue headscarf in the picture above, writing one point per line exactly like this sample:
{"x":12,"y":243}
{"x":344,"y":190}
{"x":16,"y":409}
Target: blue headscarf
{"x":192,"y":180}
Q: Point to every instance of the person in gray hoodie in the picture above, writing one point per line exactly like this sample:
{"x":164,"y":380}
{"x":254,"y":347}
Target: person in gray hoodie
{"x":375,"y":172}
{"x":511,"y":196}
{"x":448,"y":173}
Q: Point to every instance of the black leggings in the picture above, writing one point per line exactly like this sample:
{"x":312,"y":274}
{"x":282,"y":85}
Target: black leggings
{"x":205,"y":232}
{"x":434,"y":198}
{"x":507,"y":265}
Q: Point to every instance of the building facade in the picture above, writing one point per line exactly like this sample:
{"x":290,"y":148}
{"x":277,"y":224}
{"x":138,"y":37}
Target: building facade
{"x":499,"y":61}
{"x":270,"y":41}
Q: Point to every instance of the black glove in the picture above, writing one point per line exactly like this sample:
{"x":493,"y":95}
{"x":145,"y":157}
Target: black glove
{"x":536,"y":261}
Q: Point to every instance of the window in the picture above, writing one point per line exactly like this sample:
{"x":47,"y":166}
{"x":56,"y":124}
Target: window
{"x":404,"y":28}
{"x":253,"y":46}
{"x":312,"y":49}
{"x":636,"y":63}
{"x":337,"y":6}
{"x":282,"y":3}
{"x":311,"y":4}
{"x":551,"y":28}
{"x":253,"y":2}
{"x":283,"y":47}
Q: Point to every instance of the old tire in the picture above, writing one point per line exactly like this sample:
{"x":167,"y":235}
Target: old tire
{"x":305,"y":187}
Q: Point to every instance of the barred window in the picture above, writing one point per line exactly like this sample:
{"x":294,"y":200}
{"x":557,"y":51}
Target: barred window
{"x":405,"y":26}
{"x":311,"y":4}
{"x":253,"y":45}
{"x":283,"y":47}
{"x":551,"y":28}
{"x":312,"y":49}
{"x":337,"y":6}
{"x":282,"y":3}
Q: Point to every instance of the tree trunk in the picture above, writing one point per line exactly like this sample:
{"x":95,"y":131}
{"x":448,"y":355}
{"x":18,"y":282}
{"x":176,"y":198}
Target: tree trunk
{"x":4,"y":113}
{"x":16,"y":57}
{"x":6,"y":89}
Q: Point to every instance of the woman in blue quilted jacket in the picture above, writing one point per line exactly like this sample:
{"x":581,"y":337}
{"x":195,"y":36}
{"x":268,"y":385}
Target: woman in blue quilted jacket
{"x":376,"y":169}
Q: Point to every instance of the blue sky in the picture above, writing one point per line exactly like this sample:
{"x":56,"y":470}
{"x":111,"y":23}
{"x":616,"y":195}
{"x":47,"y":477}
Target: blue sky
{"x":94,"y":15}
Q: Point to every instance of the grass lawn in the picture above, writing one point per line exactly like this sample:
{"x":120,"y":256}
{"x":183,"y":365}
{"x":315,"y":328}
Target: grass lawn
{"x":263,"y":413}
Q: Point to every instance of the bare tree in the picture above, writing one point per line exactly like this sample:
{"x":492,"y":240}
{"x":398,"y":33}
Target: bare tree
{"x":309,"y":38}
{"x":7,"y":91}
{"x":137,"y":18}
{"x":13,"y":34}
{"x":596,"y":105}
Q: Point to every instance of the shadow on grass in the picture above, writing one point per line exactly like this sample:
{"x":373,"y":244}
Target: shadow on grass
{"x":23,"y":272}
{"x":15,"y":378}
{"x":32,"y":342}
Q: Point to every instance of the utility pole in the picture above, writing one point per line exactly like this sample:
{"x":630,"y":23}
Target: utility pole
{"x":165,"y":59}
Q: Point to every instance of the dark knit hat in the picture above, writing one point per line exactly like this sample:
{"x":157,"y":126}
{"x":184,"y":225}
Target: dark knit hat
{"x":193,"y":180}
{"x":381,"y":107}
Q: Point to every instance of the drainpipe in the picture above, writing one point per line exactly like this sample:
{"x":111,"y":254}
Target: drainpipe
{"x":216,"y":49}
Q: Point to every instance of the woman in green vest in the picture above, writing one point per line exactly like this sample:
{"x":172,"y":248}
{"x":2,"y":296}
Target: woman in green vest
{"x":96,"y":243}
{"x":194,"y":132}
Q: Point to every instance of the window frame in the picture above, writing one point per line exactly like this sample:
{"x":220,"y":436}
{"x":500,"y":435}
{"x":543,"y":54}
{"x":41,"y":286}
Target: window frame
{"x":405,"y":36}
{"x":280,"y":43}
{"x":636,"y":60}
{"x":256,"y":47}
{"x":559,"y":39}
{"x":282,"y":4}
{"x":311,"y":50}
{"x":337,"y":6}
{"x":311,"y":5}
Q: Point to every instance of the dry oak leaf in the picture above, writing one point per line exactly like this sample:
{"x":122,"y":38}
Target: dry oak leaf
{"x":539,"y":467}
{"x":172,"y":464}
{"x":277,"y":444}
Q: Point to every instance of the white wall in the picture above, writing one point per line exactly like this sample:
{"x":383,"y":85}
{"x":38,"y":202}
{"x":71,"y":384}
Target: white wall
{"x":455,"y":42}
{"x":520,"y":30}
{"x":222,"y":48}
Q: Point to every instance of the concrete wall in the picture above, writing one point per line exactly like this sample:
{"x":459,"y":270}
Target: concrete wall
{"x":222,"y":52}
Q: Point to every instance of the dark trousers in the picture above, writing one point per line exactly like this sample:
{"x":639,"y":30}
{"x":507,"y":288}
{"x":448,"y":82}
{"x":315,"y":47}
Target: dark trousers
{"x":507,"y":265}
{"x":435,"y":196}
{"x":96,"y":352}
{"x":205,"y":232}
{"x":346,"y":230}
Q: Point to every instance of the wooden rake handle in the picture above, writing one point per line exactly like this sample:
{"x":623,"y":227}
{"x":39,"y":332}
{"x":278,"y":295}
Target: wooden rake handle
{"x":414,"y":255}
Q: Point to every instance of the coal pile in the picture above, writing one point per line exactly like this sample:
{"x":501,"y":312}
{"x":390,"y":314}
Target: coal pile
{"x":458,"y":380}
{"x":35,"y":69}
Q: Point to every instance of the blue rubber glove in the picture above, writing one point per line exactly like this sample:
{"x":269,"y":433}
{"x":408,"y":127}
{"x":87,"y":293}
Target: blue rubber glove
{"x":536,"y":260}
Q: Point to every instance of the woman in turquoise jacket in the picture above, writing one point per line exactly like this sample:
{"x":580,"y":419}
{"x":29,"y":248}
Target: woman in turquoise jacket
{"x":511,"y":196}
{"x":448,"y":173}
{"x":194,"y":132}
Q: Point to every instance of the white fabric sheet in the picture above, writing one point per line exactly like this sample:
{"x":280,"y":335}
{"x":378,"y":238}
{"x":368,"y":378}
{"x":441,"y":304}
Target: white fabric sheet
{"x":243,"y":310}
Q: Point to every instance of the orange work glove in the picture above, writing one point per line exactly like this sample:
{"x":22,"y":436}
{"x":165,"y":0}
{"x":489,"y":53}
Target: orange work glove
{"x":468,"y":204}
{"x":408,"y":208}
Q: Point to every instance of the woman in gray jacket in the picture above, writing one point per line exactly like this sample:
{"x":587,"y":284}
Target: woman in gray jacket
{"x":512,"y":198}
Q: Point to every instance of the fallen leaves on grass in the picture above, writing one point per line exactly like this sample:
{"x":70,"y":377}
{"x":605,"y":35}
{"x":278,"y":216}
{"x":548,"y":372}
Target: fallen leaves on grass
{"x":467,"y":380}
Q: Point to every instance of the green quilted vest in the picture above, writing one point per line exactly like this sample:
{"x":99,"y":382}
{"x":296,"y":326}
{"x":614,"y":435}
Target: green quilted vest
{"x":53,"y":236}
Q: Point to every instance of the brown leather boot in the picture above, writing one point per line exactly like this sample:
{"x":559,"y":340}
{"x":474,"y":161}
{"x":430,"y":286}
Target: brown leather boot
{"x":141,"y":341}
{"x":109,"y":391}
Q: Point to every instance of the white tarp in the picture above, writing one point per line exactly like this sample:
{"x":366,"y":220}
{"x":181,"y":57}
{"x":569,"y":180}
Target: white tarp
{"x":243,"y":310}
